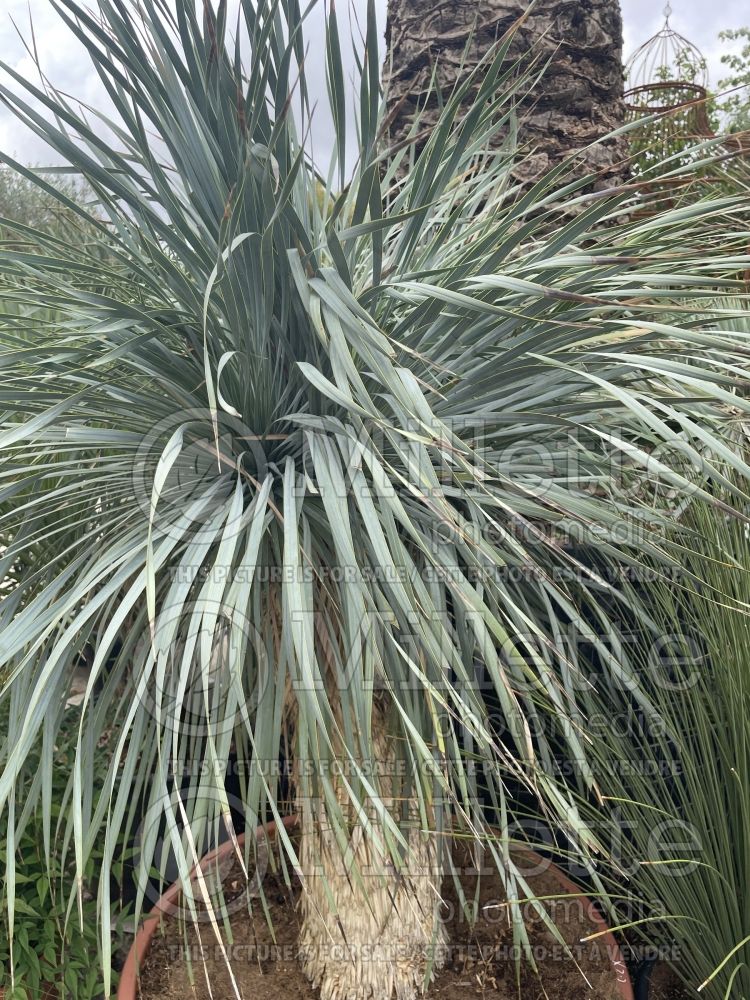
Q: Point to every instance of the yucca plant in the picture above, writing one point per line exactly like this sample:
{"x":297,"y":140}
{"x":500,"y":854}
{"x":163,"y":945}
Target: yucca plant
{"x":325,"y":455}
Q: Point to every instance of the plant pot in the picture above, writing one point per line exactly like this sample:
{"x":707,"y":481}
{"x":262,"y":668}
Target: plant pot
{"x":649,"y":979}
{"x":168,"y":903}
{"x":616,"y":960}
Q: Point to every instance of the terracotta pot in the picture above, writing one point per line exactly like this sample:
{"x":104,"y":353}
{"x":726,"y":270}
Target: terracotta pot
{"x":167,"y":905}
{"x":607,"y":939}
{"x":164,"y":907}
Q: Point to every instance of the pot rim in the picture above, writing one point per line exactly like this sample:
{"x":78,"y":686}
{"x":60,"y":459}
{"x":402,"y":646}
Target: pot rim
{"x":167,"y":904}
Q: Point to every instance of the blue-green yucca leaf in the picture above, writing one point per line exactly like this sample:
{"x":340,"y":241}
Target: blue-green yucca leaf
{"x":294,"y":466}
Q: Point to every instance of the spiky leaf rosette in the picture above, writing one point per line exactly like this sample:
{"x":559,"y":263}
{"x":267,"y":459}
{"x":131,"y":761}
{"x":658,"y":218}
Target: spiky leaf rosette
{"x":286,"y":451}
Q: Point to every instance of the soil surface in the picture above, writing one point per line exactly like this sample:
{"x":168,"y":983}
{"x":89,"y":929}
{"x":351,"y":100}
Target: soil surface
{"x":665,"y":985}
{"x":480,"y":963}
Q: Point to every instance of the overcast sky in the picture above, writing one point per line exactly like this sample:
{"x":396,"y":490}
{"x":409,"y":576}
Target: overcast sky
{"x":67,"y":68}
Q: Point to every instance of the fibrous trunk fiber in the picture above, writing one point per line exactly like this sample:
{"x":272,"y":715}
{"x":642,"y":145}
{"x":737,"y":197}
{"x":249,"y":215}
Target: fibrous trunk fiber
{"x":370,"y":928}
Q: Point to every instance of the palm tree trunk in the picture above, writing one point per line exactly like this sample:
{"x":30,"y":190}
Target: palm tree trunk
{"x":369,"y":929}
{"x":578,"y":101}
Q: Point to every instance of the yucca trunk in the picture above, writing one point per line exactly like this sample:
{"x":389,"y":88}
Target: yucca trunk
{"x":578,"y":101}
{"x":370,"y":928}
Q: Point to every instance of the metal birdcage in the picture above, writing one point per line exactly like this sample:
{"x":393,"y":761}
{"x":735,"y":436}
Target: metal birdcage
{"x":666,"y":56}
{"x":667,"y":77}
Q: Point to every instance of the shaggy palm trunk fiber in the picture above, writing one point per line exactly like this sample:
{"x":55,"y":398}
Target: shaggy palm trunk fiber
{"x":578,"y":101}
{"x":370,"y":928}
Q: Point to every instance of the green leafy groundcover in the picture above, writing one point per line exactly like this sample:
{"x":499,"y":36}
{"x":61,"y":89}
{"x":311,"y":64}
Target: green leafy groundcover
{"x":298,"y":456}
{"x":51,"y":954}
